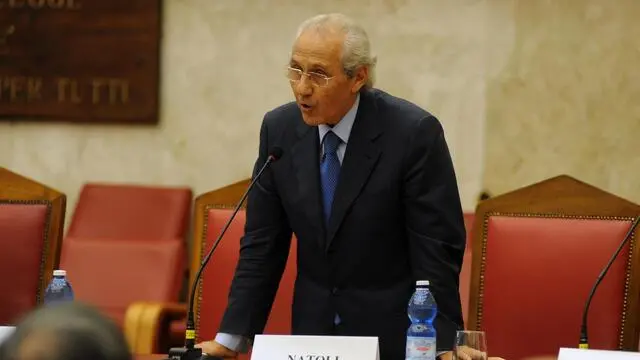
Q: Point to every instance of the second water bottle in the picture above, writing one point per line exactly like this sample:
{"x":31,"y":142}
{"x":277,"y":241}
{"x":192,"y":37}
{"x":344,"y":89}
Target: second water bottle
{"x":59,"y":289}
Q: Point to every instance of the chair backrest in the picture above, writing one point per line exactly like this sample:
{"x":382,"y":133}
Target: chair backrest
{"x":31,"y":223}
{"x":123,"y":211}
{"x":211,"y":299}
{"x":112,"y":274}
{"x":537,"y":252}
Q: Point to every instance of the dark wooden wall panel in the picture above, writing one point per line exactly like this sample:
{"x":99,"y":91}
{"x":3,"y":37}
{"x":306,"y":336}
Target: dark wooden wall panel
{"x":80,"y":60}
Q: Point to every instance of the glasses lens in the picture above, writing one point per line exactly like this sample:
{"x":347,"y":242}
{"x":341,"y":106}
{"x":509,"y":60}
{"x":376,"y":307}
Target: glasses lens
{"x":318,"y":79}
{"x":293,"y":74}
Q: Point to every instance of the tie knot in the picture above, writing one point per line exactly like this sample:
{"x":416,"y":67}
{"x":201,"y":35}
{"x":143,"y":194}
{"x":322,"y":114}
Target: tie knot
{"x":331,"y":142}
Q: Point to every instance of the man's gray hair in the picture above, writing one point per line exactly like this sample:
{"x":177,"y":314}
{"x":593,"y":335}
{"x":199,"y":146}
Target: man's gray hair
{"x":356,"y":50}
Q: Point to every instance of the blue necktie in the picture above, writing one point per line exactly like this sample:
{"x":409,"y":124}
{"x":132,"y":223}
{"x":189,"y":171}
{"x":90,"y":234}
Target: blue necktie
{"x":329,"y":171}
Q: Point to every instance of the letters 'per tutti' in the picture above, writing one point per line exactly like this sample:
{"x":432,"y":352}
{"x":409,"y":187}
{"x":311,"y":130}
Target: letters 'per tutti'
{"x":96,"y":91}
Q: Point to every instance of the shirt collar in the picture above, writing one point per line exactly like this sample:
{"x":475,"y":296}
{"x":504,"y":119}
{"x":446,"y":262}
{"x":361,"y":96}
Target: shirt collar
{"x":343,"y":128}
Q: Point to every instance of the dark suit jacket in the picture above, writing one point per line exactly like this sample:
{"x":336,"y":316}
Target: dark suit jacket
{"x":396,"y":218}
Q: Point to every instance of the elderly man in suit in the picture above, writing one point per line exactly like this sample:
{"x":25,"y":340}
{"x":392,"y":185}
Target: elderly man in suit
{"x":367,"y":185}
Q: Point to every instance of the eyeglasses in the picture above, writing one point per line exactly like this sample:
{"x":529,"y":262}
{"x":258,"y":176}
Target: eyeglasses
{"x":295,"y":75}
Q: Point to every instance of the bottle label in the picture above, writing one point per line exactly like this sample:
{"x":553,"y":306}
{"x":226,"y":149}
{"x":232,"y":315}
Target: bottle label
{"x":421,"y":348}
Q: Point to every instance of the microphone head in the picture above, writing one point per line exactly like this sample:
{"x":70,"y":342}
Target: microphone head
{"x":275,"y":153}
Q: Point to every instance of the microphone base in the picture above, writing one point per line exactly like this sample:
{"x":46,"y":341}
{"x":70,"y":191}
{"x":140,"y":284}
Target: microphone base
{"x":182,"y":353}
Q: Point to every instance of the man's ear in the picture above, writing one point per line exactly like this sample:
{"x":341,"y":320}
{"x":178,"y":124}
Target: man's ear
{"x":361,"y":76}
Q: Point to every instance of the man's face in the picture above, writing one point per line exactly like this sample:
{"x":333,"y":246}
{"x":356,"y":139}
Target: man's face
{"x":318,"y":55}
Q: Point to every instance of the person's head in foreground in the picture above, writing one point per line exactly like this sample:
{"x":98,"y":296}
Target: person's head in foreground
{"x":70,"y":331}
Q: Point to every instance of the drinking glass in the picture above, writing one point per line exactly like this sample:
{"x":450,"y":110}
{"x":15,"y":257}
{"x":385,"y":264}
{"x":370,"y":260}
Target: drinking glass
{"x":470,"y":345}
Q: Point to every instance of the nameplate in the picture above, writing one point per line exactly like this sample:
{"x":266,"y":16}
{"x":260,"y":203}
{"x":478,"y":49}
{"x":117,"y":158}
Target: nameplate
{"x":584,"y":354}
{"x":80,"y":60}
{"x":5,"y":332}
{"x":302,"y":347}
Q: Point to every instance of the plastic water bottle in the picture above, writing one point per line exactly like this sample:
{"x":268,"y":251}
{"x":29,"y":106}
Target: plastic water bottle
{"x":421,"y":336}
{"x":59,"y":289}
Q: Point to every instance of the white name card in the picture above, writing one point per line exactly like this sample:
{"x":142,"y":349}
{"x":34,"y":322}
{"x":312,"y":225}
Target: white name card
{"x":588,"y":354}
{"x":303,"y":347}
{"x":5,"y":332}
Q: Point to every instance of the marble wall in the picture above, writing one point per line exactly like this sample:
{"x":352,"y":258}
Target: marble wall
{"x":566,"y":99}
{"x":526,"y":89}
{"x":222,"y":68}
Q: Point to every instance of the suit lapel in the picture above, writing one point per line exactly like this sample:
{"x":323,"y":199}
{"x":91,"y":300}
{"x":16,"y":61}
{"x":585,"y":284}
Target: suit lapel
{"x":306,"y":164}
{"x":359,"y":161}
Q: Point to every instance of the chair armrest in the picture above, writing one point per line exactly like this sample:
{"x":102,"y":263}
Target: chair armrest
{"x":146,"y":322}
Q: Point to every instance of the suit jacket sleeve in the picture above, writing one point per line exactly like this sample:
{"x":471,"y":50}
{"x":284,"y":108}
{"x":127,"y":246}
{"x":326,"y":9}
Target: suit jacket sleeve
{"x":264,"y":249}
{"x":435,"y":224}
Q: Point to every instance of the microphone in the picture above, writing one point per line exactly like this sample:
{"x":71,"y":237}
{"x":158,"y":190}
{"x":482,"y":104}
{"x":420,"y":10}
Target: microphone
{"x":584,"y":337}
{"x":189,"y":352}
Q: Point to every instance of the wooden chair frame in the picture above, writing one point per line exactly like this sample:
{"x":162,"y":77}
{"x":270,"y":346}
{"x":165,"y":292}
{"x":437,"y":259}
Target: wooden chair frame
{"x":17,"y":189}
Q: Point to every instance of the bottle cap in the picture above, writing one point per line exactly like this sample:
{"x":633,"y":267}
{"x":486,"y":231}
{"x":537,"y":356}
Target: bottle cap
{"x":422,"y":283}
{"x":59,"y":273}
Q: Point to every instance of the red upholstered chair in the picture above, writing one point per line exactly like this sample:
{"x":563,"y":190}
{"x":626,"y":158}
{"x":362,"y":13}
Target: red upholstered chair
{"x":126,"y":212}
{"x":537,"y":252}
{"x":31,"y":223}
{"x":127,"y":244}
{"x":164,"y":324}
{"x":113,"y":274}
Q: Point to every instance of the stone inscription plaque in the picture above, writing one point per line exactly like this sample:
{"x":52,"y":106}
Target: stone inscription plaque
{"x":80,"y":60}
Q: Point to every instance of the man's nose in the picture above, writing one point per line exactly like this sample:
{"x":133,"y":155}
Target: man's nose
{"x":304,"y":86}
